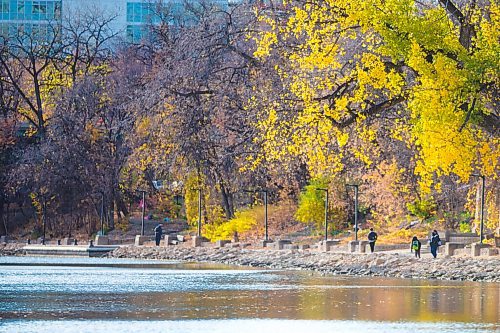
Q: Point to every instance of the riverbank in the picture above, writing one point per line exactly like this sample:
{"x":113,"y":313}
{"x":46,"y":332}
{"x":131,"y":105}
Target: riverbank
{"x":377,"y":264}
{"x":11,"y":249}
{"x":399,"y":265}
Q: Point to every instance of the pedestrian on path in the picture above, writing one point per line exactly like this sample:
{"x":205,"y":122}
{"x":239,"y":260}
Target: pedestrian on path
{"x":158,"y":233}
{"x":372,"y":238}
{"x":415,"y":246}
{"x":434,"y":242}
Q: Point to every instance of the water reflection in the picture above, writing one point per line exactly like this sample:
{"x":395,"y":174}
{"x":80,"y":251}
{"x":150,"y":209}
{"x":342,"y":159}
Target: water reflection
{"x":240,"y":326}
{"x":181,"y":292}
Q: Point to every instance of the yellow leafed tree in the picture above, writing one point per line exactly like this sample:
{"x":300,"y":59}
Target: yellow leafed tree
{"x":344,"y":64}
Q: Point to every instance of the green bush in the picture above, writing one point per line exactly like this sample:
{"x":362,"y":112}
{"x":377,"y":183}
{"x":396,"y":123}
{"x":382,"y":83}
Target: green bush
{"x":311,"y":208}
{"x":465,"y":226}
{"x":423,"y":209}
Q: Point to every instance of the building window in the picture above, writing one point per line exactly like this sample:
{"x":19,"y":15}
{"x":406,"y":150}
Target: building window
{"x":4,"y":6}
{"x":20,"y":7}
{"x":141,"y":12}
{"x":39,"y":7}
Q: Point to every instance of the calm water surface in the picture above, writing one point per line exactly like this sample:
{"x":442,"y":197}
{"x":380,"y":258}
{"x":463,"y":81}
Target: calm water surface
{"x":105,"y":295}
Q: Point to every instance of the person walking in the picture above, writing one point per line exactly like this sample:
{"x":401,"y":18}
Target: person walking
{"x":434,"y":242}
{"x":372,"y":238}
{"x":158,"y":233}
{"x":415,"y":246}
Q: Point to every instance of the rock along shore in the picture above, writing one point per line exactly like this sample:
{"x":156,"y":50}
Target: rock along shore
{"x":354,"y":264}
{"x":377,"y":264}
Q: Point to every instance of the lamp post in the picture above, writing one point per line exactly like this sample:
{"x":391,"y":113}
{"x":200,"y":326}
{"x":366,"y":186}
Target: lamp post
{"x":355,"y":209}
{"x":199,"y":209}
{"x":102,"y":214}
{"x":143,"y":209}
{"x":326,"y":211}
{"x":483,"y":186}
{"x":44,"y":217}
{"x":266,"y":235}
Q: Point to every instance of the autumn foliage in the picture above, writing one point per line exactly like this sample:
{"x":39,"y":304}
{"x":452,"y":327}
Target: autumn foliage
{"x":399,"y":97}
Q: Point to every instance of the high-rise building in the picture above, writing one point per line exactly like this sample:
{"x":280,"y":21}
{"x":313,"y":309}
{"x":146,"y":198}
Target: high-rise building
{"x":130,"y":17}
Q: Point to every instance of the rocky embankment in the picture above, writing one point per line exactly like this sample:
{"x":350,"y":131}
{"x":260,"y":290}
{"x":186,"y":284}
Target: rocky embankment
{"x":378,"y":264}
{"x":11,"y":249}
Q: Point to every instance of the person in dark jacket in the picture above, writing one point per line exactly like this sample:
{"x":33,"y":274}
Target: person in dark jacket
{"x":434,"y":242}
{"x":416,"y":245}
{"x":158,"y":233}
{"x":372,"y":238}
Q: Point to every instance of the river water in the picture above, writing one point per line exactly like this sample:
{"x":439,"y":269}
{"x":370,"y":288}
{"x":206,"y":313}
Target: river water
{"x":43,"y":294}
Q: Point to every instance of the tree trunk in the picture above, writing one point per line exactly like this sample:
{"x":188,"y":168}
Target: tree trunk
{"x":121,"y":206}
{"x":111,"y":215}
{"x":227,"y":202}
{"x":4,"y":217}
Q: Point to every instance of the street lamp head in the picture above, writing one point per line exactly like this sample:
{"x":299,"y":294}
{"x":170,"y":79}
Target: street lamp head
{"x":321,"y":189}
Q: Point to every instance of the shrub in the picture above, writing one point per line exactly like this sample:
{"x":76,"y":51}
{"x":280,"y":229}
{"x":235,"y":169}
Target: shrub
{"x":243,"y":221}
{"x":423,"y":209}
{"x":312,"y":204}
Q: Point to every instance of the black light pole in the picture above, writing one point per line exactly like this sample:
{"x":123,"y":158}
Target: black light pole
{"x":44,"y":217}
{"x":326,"y":211}
{"x":143,"y":209}
{"x":355,"y":209}
{"x":483,"y":186}
{"x":102,"y":214}
{"x":266,"y":236}
{"x":199,"y":209}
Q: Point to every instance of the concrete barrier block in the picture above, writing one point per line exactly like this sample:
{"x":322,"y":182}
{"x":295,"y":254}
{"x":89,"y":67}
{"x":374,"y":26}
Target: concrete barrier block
{"x":101,"y":240}
{"x":488,"y":252}
{"x":476,"y":249}
{"x":68,"y":241}
{"x":359,"y":246}
{"x":362,"y":245}
{"x":196,"y":241}
{"x":222,"y":242}
{"x":265,"y":243}
{"x":450,"y":248}
{"x":278,"y":245}
{"x":327,"y":245}
{"x":169,"y":239}
{"x":140,"y":240}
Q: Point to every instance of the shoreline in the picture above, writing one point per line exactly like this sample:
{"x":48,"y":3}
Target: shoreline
{"x":393,"y":265}
{"x":379,"y":264}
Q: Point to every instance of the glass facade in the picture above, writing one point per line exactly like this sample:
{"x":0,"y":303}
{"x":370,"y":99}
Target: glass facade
{"x":139,"y":15}
{"x":30,"y":10}
{"x":142,"y":12}
{"x":29,"y":18}
{"x":37,"y":17}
